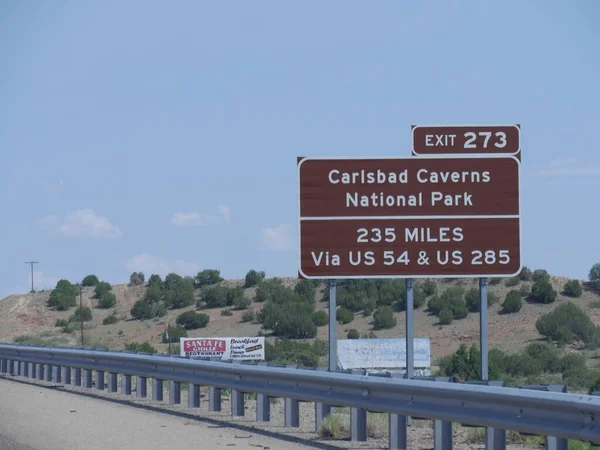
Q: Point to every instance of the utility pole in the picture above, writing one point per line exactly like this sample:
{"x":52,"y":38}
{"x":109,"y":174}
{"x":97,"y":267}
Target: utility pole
{"x":31,"y":263}
{"x":81,"y":313}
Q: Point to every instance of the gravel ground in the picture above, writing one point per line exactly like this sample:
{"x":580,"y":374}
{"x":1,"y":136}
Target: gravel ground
{"x":420,"y":433}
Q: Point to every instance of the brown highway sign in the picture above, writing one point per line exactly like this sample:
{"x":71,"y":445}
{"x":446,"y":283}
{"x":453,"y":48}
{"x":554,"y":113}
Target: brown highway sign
{"x":432,"y":216}
{"x":466,"y":139}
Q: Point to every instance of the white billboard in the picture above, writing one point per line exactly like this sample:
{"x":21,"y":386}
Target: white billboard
{"x":225,"y":348}
{"x":381,"y":353}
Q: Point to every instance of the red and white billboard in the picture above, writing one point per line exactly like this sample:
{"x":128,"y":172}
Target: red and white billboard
{"x":245,"y":348}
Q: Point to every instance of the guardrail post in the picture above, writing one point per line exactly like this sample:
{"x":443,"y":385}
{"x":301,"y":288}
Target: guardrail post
{"x":66,"y":375}
{"x":442,"y":435}
{"x":24,"y":370}
{"x":214,"y":399}
{"x":321,"y":411}
{"x":77,"y":376}
{"x":157,"y":390}
{"x":40,"y":371}
{"x":32,"y":367}
{"x":12,"y":367}
{"x":174,"y":392}
{"x":141,"y":387}
{"x":552,"y":443}
{"x":125,"y":384}
{"x":193,"y":395}
{"x":263,"y":408}
{"x":112,"y":382}
{"x":358,"y":424}
{"x":495,"y":439}
{"x":237,"y":403}
{"x":87,"y":378}
{"x":397,"y":432}
{"x":57,"y":374}
{"x":100,"y":380}
{"x":48,"y":372}
{"x":2,"y":365}
{"x":291,"y":413}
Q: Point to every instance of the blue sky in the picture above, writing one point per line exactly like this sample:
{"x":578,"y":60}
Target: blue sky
{"x":160,"y":137}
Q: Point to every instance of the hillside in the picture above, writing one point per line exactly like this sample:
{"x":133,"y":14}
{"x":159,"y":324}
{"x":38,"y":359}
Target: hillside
{"x":28,"y":315}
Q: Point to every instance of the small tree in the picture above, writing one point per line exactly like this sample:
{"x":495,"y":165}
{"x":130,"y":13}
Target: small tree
{"x":253,"y":278}
{"x":594,"y":277}
{"x":512,"y":302}
{"x":111,"y":319}
{"x":344,"y":316}
{"x":90,"y":280}
{"x":155,"y":280}
{"x":429,"y":288}
{"x":208,"y":277}
{"x":573,"y":288}
{"x":144,"y":347}
{"x":446,"y":316}
{"x":191,"y":320}
{"x":141,"y":310}
{"x":383,"y":318}
{"x":525,"y":274}
{"x":540,"y":275}
{"x":353,"y":334}
{"x":472,"y":299}
{"x":542,"y":292}
{"x":102,"y":288}
{"x":136,"y":278}
{"x":320,"y":318}
{"x":108,"y":300}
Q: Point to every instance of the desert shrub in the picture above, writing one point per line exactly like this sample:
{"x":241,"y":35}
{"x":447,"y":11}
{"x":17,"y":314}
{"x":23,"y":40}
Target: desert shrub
{"x":472,"y":299}
{"x":288,"y":315}
{"x":155,"y":280}
{"x":63,"y":296}
{"x":85,"y":314}
{"x":368,"y":310}
{"x":594,"y":277}
{"x":353,"y":334}
{"x":111,"y":319}
{"x":540,"y":275}
{"x":191,"y":320}
{"x":144,"y":347}
{"x":208,"y":277}
{"x":179,"y":293}
{"x":141,"y":310}
{"x":429,"y":287}
{"x":90,"y":280}
{"x":226,"y":312}
{"x":292,"y":352}
{"x":108,"y":300}
{"x":344,"y":316}
{"x":137,"y":278}
{"x":248,"y":315}
{"x":512,"y":282}
{"x":383,"y":318}
{"x":267,"y":289}
{"x":306,"y":289}
{"x":525,"y":274}
{"x":525,"y":290}
{"x":173,"y":334}
{"x":320,"y":318}
{"x":572,"y":288}
{"x":61,"y":323}
{"x":102,"y":288}
{"x":453,"y":299}
{"x":568,"y":322}
{"x":462,"y":365}
{"x":215,"y":297}
{"x":253,"y":278}
{"x":460,"y":312}
{"x":512,"y":303}
{"x":492,"y":298}
{"x":237,"y":299}
{"x":446,"y":316}
{"x":419,"y":298}
{"x":542,"y":292}
{"x":321,"y":347}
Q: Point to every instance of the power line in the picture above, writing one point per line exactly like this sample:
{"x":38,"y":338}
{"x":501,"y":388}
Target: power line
{"x":32,"y":263}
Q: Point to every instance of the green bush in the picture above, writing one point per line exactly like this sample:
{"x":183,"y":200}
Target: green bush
{"x":288,"y":315}
{"x":111,"y":319}
{"x":306,"y":290}
{"x":292,"y":352}
{"x":143,"y":310}
{"x":453,"y":299}
{"x":512,"y":303}
{"x":208,"y":277}
{"x":540,"y":275}
{"x":248,"y":315}
{"x":191,"y":320}
{"x":525,"y":274}
{"x":155,"y":280}
{"x":429,"y":287}
{"x":353,"y":334}
{"x":383,"y":318}
{"x":320,"y":318}
{"x":321,"y":347}
{"x":267,"y":289}
{"x":573,"y":288}
{"x":102,"y":288}
{"x":179,"y":293}
{"x":542,"y":292}
{"x":137,"y":278}
{"x":85,"y":313}
{"x":472,"y":299}
{"x":237,"y":299}
{"x":226,"y":312}
{"x":446,"y":316}
{"x":594,"y":277}
{"x":217,"y":297}
{"x":344,"y":316}
{"x":568,"y":322}
{"x":419,"y":298}
{"x":63,"y":296}
{"x":61,"y":323}
{"x":460,"y":312}
{"x":512,"y":282}
{"x":108,"y":300}
{"x":253,"y":278}
{"x":173,"y":335}
{"x":144,"y":347}
{"x":90,"y":280}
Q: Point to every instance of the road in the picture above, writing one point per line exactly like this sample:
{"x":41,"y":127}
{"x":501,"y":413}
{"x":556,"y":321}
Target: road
{"x":34,"y":417}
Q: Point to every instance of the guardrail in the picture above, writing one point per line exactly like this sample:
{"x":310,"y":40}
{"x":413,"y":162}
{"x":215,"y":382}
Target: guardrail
{"x":558,"y":415}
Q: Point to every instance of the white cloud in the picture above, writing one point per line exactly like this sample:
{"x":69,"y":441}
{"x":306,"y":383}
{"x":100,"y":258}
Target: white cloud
{"x":277,"y":238}
{"x":150,"y":264}
{"x":81,"y":223}
{"x":196,"y":219}
{"x":568,"y":167}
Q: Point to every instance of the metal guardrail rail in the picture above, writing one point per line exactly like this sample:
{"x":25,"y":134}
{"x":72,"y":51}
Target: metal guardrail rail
{"x":558,"y":415}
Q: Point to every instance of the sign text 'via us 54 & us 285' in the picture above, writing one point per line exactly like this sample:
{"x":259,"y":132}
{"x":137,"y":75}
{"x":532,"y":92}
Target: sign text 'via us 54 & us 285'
{"x":431,"y":216}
